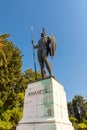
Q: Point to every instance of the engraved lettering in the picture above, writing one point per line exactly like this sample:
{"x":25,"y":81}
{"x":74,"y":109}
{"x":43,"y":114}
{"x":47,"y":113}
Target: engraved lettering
{"x":42,"y":91}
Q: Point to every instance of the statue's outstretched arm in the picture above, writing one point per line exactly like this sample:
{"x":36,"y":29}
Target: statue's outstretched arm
{"x":34,"y":46}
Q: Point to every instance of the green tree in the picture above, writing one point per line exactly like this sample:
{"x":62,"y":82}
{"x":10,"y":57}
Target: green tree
{"x":3,"y":61}
{"x":10,"y":74}
{"x":78,"y":108}
{"x":12,"y":83}
{"x":70,"y":109}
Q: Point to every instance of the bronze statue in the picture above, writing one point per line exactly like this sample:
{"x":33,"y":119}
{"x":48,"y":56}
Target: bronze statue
{"x":46,"y":45}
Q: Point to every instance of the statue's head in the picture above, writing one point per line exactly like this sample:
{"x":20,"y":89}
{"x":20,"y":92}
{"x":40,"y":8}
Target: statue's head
{"x":43,"y":33}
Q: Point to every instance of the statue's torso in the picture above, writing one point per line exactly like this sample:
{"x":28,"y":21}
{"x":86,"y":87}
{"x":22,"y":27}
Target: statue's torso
{"x":42,"y":43}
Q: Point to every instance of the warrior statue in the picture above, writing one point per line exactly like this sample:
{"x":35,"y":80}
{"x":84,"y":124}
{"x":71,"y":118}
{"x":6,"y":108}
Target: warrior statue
{"x":46,"y":46}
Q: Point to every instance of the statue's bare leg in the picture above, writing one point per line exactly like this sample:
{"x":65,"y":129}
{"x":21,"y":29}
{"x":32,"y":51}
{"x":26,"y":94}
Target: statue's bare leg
{"x":48,"y":65}
{"x":43,"y":72}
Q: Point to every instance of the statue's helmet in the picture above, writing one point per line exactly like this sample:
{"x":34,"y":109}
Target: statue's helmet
{"x":43,"y":33}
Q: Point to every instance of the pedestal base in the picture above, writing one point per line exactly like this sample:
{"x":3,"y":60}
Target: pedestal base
{"x":44,"y":126}
{"x":45,"y":107}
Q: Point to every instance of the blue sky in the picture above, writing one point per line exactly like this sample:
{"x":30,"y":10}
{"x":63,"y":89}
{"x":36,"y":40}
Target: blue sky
{"x":67,"y":20}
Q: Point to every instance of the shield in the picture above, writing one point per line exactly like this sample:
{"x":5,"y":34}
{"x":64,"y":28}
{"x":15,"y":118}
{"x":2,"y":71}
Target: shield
{"x":53,"y":46}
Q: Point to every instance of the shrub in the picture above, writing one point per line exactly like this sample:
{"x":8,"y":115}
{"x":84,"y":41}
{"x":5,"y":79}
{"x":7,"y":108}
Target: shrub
{"x":81,"y":126}
{"x":5,"y":125}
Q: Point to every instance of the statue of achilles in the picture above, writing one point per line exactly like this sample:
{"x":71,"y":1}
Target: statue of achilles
{"x":46,"y":45}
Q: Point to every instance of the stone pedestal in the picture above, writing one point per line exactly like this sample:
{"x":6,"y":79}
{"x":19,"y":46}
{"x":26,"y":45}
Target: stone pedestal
{"x":45,"y":107}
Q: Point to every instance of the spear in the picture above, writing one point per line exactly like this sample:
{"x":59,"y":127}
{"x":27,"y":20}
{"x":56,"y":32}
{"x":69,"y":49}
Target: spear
{"x":34,"y":59}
